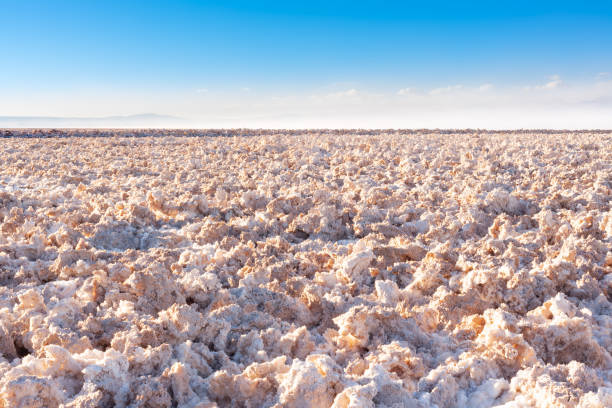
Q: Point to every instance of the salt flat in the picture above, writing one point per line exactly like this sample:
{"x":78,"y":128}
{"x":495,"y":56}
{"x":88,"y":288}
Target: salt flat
{"x":305,"y":269}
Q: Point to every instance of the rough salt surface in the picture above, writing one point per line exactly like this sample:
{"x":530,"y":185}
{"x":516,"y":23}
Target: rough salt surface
{"x":305,"y":269}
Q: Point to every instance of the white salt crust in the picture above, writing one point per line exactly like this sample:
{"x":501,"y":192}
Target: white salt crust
{"x":306,"y":269}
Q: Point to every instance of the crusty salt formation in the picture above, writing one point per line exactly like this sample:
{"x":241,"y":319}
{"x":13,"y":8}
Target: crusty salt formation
{"x":306,"y":269}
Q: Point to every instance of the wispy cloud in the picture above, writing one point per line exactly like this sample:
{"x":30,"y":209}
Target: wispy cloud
{"x":554,"y":82}
{"x":445,"y":90}
{"x":344,"y":94}
{"x":450,"y":89}
{"x":551,"y":102}
{"x":405,"y":91}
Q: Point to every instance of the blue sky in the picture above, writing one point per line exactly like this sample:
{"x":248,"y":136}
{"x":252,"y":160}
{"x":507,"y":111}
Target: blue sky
{"x":279,"y":64}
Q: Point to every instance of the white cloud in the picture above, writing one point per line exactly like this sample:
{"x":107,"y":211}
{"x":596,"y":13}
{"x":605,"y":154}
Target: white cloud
{"x":405,"y":91}
{"x":245,"y":89}
{"x":602,"y":75}
{"x":445,"y":90}
{"x":201,"y":90}
{"x":344,"y":94}
{"x":555,"y":82}
{"x":568,"y":104}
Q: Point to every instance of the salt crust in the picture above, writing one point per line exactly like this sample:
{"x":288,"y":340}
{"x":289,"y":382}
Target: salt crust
{"x":294,"y":269}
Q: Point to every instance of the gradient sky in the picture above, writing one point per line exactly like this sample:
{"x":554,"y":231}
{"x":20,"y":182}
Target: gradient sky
{"x":315,"y":64}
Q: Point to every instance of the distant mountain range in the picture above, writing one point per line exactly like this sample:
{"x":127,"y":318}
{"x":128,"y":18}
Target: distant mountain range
{"x":146,"y":120}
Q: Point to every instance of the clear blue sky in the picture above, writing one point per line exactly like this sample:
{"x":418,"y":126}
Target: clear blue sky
{"x":141,"y":50}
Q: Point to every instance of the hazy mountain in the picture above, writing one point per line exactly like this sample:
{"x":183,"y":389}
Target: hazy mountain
{"x":147,"y":120}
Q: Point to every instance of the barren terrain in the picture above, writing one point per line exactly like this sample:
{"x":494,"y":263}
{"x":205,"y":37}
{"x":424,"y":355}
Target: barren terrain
{"x":305,"y":269}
